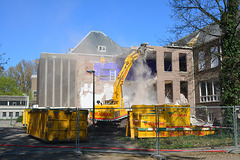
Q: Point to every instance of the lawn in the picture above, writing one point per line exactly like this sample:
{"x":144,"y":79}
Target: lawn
{"x":219,"y":139}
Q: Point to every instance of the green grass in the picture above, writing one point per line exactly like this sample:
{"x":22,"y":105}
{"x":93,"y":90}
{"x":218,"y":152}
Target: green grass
{"x":217,"y":140}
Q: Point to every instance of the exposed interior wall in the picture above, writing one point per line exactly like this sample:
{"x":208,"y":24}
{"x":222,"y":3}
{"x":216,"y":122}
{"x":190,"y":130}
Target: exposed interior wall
{"x":86,"y":94}
{"x":103,"y":80}
{"x":140,"y":86}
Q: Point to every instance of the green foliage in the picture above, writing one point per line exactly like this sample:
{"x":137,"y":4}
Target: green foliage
{"x":230,"y":64}
{"x":230,"y":75}
{"x":228,"y":117}
{"x":19,"y":119}
{"x":8,"y":86}
{"x":22,"y":73}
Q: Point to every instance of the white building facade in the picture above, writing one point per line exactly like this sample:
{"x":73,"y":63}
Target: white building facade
{"x":12,"y":106}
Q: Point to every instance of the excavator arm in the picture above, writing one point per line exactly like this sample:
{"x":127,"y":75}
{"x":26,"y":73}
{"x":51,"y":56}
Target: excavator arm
{"x":117,"y":94}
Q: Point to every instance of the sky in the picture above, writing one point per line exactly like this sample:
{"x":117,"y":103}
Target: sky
{"x":30,"y":27}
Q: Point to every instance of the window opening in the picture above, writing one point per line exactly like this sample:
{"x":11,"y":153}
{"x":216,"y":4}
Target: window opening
{"x":112,"y":75}
{"x":10,"y":114}
{"x":4,"y":114}
{"x":214,"y":56}
{"x":102,"y":48}
{"x":201,"y":61}
{"x":35,"y":94}
{"x":17,"y":114}
{"x":183,"y":62}
{"x":168,"y":92}
{"x":3,"y":103}
{"x":168,"y":61}
{"x":107,"y":75}
{"x":14,"y":103}
{"x":184,"y":91}
{"x":104,"y":74}
{"x":210,"y":117}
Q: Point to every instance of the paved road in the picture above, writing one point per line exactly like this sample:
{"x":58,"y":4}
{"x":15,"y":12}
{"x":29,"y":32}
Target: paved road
{"x":13,"y":137}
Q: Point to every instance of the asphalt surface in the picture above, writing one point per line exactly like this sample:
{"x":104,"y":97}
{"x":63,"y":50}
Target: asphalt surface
{"x":15,"y":144}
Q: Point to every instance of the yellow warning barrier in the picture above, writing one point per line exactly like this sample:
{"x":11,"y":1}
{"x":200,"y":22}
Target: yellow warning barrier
{"x":25,"y":117}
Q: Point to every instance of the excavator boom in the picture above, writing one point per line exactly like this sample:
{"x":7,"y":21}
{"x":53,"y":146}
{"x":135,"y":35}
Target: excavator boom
{"x":124,"y":72}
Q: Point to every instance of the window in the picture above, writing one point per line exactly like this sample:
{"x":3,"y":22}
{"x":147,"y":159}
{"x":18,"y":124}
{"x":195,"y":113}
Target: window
{"x":35,"y":94}
{"x":167,"y":61}
{"x":216,"y":88}
{"x":24,"y":103}
{"x":3,"y":103}
{"x":10,"y":114}
{"x":209,"y":91}
{"x":14,"y":103}
{"x":182,"y":62}
{"x":168,"y":92}
{"x":201,"y":61}
{"x":112,"y":75}
{"x":214,"y":56}
{"x":16,"y":114}
{"x":104,"y":74}
{"x":210,"y":117}
{"x":4,"y":114}
{"x":184,"y":91}
{"x":102,"y":48}
{"x":107,"y":74}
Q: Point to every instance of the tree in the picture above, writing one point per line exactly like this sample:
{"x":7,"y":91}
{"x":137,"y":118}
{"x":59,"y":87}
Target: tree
{"x":8,"y":86}
{"x":2,"y":62}
{"x":22,"y":73}
{"x":201,"y":15}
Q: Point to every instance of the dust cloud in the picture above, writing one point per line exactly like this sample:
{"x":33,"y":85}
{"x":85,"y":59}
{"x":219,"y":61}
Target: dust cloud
{"x":142,"y":89}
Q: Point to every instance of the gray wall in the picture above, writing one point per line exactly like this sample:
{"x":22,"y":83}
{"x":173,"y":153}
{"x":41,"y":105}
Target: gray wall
{"x":57,"y":80}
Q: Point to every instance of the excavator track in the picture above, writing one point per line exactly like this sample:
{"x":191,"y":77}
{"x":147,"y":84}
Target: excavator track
{"x":108,"y":128}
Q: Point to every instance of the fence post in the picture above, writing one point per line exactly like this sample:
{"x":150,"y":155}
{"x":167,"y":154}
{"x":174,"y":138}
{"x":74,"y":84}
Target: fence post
{"x":77,"y":151}
{"x":235,"y":127}
{"x":156,"y":130}
{"x":11,"y":120}
{"x":157,"y":156}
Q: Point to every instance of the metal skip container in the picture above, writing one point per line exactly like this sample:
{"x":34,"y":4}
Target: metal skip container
{"x":173,"y":121}
{"x":57,"y":124}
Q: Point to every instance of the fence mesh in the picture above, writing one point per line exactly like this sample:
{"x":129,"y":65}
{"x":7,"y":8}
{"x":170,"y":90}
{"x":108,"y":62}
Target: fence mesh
{"x":150,"y":129}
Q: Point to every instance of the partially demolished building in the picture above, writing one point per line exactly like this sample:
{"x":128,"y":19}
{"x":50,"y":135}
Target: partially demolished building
{"x":165,"y":75}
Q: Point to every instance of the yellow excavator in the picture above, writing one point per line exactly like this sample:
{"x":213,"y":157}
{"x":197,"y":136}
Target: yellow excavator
{"x":113,"y":110}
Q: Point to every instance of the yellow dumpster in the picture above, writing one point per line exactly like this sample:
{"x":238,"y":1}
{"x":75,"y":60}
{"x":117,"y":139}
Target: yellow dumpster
{"x":57,"y":125}
{"x":173,"y":121}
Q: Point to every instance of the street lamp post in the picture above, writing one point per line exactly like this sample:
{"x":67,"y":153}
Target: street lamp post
{"x":93,"y":72}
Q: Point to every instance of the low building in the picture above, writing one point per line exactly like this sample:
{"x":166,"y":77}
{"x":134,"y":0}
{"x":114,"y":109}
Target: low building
{"x":12,"y":106}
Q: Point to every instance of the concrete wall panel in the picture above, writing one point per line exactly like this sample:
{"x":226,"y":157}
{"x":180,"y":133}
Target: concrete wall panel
{"x":49,"y":82}
{"x":57,"y":81}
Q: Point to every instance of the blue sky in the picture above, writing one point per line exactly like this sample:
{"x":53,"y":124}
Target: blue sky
{"x":29,"y":27}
